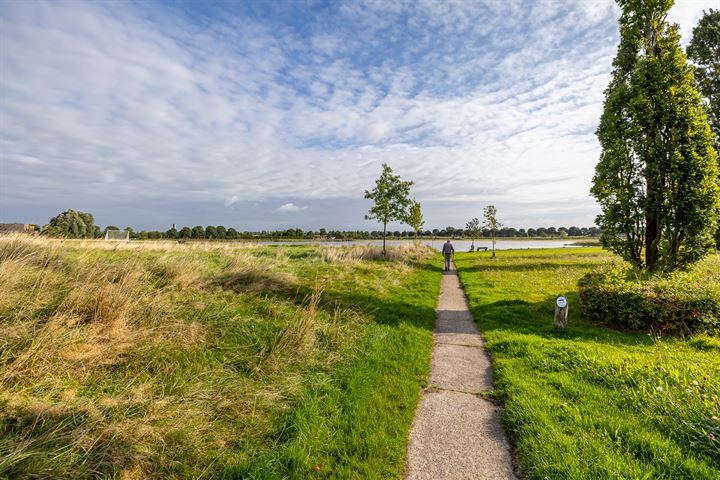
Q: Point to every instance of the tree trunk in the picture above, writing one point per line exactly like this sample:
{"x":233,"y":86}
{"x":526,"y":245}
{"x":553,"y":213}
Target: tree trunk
{"x":654,"y":192}
{"x":652,"y":231}
{"x":651,"y":239}
{"x":384,"y":232}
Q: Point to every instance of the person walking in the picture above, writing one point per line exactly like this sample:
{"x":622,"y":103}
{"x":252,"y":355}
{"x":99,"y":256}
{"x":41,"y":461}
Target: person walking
{"x":448,"y":250}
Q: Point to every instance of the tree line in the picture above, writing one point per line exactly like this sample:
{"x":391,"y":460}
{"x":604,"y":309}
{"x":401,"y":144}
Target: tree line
{"x":75,"y":224}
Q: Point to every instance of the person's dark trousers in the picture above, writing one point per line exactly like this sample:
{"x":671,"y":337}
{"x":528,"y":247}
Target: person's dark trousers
{"x":448,"y":257}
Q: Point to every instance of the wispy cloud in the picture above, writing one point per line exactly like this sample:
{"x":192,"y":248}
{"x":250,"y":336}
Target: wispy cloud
{"x":114,"y":108}
{"x":232,"y":200}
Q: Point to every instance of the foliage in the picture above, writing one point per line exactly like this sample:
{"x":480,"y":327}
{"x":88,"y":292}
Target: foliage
{"x":680,"y":303}
{"x":198,"y":232}
{"x":415,"y":217}
{"x":392,"y":199}
{"x":704,"y":51}
{"x":211,"y":232}
{"x":472,"y":228}
{"x":592,"y":402}
{"x":71,"y":224}
{"x":657,"y":178}
{"x":160,"y":360}
{"x":491,"y":223}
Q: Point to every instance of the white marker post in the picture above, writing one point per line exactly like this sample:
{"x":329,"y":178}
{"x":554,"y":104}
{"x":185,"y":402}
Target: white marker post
{"x":561,"y":313}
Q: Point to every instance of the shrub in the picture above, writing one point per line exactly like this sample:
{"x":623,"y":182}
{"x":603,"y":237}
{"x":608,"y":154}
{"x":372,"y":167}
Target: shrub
{"x":682,"y":302}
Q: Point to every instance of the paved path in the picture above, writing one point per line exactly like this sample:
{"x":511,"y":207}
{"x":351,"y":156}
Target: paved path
{"x":456,"y":433}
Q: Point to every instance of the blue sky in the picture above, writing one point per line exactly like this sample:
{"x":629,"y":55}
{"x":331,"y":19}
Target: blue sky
{"x":265,"y":115}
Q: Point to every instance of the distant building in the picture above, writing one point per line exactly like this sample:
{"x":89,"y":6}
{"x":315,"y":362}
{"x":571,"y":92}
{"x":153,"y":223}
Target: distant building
{"x":8,"y":228}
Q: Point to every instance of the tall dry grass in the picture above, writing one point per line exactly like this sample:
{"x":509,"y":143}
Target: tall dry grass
{"x":68,"y":312}
{"x":299,"y":336}
{"x":397,"y":253}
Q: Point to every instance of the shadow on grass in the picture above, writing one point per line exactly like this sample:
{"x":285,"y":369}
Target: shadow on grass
{"x":524,"y":267}
{"x":391,"y":310}
{"x":536,"y":318}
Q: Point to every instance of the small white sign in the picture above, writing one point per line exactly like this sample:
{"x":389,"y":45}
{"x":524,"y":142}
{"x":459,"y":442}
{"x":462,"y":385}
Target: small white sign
{"x":561,"y":302}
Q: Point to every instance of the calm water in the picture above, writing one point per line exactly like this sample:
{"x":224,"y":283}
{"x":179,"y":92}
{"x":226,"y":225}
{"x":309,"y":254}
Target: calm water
{"x":460,"y":245}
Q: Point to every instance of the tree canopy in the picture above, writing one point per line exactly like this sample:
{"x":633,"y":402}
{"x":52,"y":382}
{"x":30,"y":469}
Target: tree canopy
{"x":392,"y":199}
{"x":704,"y":51}
{"x":71,"y":224}
{"x":473,"y":227}
{"x":657,"y":177}
{"x":415,"y":217}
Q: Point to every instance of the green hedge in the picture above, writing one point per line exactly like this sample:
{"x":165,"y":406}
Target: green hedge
{"x":678,"y":303}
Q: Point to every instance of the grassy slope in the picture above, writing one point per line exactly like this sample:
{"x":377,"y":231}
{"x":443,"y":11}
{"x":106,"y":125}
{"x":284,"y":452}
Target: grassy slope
{"x":592,"y":402}
{"x":173,"y":361}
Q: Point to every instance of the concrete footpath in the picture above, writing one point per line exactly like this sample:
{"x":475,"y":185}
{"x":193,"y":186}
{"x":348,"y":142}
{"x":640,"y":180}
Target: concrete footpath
{"x":456,"y":434}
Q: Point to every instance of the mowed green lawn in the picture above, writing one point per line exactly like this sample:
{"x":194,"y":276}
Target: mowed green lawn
{"x":592,"y":402}
{"x":160,"y":360}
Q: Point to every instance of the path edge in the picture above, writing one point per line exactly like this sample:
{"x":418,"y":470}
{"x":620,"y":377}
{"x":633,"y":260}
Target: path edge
{"x":514,"y":452}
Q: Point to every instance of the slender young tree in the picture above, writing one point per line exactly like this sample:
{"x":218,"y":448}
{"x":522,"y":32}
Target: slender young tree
{"x":415,"y":217}
{"x":473,"y":229}
{"x":657,"y":179}
{"x":492,"y":224}
{"x":392,"y":199}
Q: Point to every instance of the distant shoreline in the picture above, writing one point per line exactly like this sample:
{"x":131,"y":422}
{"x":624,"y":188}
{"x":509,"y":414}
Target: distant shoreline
{"x":571,"y":240}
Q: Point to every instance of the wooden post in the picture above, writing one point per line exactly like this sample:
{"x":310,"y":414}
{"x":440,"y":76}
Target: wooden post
{"x":561,"y":312}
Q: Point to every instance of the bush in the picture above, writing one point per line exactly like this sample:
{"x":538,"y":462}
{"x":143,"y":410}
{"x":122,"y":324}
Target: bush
{"x":679,"y":303}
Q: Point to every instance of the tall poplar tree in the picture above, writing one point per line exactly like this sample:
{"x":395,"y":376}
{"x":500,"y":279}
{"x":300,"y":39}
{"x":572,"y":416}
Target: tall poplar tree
{"x":704,"y":51}
{"x":657,"y":178}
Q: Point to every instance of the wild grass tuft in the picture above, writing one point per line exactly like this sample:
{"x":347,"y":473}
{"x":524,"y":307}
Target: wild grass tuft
{"x":396,"y":253}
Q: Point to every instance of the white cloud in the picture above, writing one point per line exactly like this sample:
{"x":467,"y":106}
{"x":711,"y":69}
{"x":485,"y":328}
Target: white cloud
{"x":686,"y":13}
{"x":290,"y":207}
{"x":232,"y":200}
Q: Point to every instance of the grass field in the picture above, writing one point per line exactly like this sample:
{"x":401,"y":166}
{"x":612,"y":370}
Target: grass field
{"x":159,"y":360}
{"x":592,"y":402}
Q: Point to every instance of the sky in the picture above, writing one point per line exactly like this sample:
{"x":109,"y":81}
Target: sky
{"x":278,"y":114}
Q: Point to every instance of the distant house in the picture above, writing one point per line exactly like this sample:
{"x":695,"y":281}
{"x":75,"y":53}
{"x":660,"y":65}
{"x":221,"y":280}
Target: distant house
{"x":8,"y":228}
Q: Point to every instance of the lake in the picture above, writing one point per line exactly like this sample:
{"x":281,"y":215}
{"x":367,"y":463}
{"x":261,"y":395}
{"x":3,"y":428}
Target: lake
{"x":460,"y":245}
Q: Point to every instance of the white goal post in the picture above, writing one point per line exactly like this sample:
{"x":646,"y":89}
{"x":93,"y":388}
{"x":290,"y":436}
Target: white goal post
{"x":117,"y":235}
